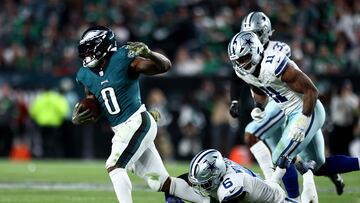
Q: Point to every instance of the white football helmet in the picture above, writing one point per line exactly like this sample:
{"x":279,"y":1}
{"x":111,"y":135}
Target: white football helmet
{"x":206,"y":170}
{"x":245,"y":52}
{"x":258,"y":23}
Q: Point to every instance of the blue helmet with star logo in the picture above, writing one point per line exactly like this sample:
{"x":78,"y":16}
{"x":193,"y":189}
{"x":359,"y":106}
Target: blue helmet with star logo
{"x":206,"y":170}
{"x":245,"y":51}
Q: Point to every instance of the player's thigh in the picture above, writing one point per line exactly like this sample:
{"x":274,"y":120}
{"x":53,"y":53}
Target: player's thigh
{"x":287,"y":147}
{"x":315,"y":150}
{"x":151,"y":168}
{"x":273,"y":120}
{"x":273,"y":139}
{"x":131,"y":139}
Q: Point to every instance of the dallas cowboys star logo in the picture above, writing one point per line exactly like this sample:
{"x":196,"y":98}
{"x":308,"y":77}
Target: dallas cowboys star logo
{"x":248,"y":42}
{"x":211,"y":166}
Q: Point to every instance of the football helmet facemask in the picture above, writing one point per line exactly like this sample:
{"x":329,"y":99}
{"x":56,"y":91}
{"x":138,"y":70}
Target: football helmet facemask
{"x":245,"y":52}
{"x":258,"y":23}
{"x":95,"y":43}
{"x":206,"y":170}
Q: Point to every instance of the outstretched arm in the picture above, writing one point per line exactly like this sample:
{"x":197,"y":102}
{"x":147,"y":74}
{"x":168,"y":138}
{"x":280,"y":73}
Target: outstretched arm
{"x":301,"y":83}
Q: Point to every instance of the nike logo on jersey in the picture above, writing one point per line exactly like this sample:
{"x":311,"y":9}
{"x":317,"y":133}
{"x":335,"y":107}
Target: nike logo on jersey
{"x":103,"y":82}
{"x":231,"y":191}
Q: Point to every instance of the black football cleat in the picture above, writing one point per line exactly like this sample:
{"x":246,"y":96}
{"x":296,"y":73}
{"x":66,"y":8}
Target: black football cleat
{"x":338,"y":182}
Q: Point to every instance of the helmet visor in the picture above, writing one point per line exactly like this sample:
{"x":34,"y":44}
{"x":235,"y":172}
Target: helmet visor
{"x":87,"y":48}
{"x":244,"y":62}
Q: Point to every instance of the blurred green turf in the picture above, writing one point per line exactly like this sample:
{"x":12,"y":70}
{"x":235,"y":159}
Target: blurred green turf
{"x":87,"y":181}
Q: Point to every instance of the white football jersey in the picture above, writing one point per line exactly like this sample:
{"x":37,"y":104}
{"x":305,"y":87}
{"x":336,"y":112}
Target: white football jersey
{"x":273,"y":65}
{"x":241,"y":182}
{"x":279,"y":46}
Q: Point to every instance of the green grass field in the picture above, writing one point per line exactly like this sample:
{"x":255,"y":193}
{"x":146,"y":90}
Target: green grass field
{"x":87,"y":181}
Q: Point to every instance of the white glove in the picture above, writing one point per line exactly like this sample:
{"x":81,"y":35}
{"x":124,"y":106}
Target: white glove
{"x":257,"y":114}
{"x":297,"y":130}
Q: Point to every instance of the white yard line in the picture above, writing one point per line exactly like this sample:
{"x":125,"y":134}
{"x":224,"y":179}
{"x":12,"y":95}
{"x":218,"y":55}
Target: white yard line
{"x":66,"y":186}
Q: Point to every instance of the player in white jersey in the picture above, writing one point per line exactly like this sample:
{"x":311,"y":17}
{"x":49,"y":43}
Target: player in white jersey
{"x":267,"y":125}
{"x":226,"y":181}
{"x":274,"y":74}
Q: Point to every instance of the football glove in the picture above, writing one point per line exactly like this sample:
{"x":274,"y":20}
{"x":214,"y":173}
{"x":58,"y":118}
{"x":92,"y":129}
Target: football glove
{"x":155,"y":114}
{"x":82,"y":117}
{"x":257,"y":114}
{"x":234,"y":109}
{"x":297,"y":130}
{"x":139,"y":49}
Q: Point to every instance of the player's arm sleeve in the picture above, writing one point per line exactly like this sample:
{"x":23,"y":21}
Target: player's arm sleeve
{"x":287,"y":50}
{"x":280,"y":65}
{"x":236,"y":87}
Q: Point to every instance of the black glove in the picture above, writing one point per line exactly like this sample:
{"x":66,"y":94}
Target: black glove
{"x":82,"y":117}
{"x":234,"y":109}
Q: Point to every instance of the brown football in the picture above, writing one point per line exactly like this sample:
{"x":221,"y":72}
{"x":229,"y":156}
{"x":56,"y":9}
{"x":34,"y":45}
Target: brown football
{"x":92,"y":104}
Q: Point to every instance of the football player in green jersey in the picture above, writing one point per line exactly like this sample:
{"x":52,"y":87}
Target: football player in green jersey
{"x":110,"y":74}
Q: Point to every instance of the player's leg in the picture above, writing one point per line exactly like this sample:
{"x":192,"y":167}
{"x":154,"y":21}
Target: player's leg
{"x":267,"y":129}
{"x":287,"y":149}
{"x":334,"y":165}
{"x":290,"y":179}
{"x":150,"y":167}
{"x":315,"y":152}
{"x":130,"y":141}
{"x":338,"y":164}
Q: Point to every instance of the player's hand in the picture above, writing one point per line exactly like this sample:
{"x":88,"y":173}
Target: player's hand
{"x":234,"y":109}
{"x":257,"y":114}
{"x":139,"y":49}
{"x":155,"y":114}
{"x":297,"y":130}
{"x":82,"y":117}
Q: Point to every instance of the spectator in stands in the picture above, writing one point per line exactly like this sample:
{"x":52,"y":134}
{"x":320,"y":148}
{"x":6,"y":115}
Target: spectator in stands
{"x":69,"y":136}
{"x":156,"y":100}
{"x":223,"y":132}
{"x":188,"y":64}
{"x":343,"y":111}
{"x":191,"y":122}
{"x":8,"y":113}
{"x":49,"y":111}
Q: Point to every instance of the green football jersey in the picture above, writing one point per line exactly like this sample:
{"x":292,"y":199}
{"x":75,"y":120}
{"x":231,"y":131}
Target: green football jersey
{"x":117,"y":93}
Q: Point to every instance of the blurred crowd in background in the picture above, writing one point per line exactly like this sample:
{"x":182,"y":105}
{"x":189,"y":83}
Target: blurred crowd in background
{"x":41,"y":37}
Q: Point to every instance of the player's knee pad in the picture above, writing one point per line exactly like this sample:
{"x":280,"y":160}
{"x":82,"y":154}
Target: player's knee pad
{"x":155,"y":181}
{"x":283,"y":162}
